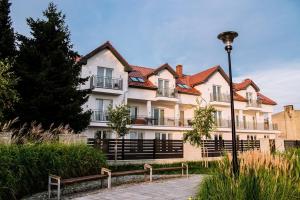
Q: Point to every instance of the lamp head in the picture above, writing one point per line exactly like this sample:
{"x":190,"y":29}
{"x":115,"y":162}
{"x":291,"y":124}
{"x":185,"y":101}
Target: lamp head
{"x":227,"y":37}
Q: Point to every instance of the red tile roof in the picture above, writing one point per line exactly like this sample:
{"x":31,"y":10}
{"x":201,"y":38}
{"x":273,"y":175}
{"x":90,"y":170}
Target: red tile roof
{"x":162,"y":67}
{"x":203,"y":76}
{"x":107,"y":45}
{"x":189,"y":90}
{"x":141,"y":72}
{"x":238,"y":97}
{"x":244,"y":84}
{"x":265,"y":100}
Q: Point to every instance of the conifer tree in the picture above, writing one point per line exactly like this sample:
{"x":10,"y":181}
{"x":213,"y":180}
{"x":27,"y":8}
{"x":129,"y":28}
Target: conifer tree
{"x":49,"y":75}
{"x":7,"y":38}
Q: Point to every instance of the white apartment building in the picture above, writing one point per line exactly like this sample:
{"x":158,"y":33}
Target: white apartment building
{"x":162,"y":99}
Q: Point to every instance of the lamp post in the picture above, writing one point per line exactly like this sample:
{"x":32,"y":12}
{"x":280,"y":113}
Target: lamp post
{"x":227,"y":38}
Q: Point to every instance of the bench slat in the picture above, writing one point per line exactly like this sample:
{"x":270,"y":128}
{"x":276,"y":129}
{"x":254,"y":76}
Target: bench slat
{"x":82,"y":179}
{"x":168,"y":168}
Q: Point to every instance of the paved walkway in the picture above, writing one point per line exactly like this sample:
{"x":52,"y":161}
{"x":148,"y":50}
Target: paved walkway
{"x":177,"y":188}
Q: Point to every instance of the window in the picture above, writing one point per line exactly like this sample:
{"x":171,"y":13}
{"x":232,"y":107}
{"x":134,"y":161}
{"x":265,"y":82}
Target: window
{"x":133,"y":112}
{"x":163,"y":136}
{"x":244,"y":122}
{"x":266,"y":121}
{"x":237,"y":121}
{"x":104,"y":77}
{"x":249,"y":97}
{"x":216,"y":92}
{"x":218,"y":118}
{"x":102,"y":106}
{"x":133,"y":135}
{"x":254,"y":122}
{"x":137,"y":79}
{"x":103,"y":134}
{"x":163,"y":87}
{"x":183,"y":86}
{"x":141,"y":80}
{"x":158,"y":116}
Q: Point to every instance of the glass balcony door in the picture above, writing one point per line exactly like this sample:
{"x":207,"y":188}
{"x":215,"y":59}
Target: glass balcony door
{"x":163,"y":87}
{"x":216,"y":92}
{"x":104,"y":77}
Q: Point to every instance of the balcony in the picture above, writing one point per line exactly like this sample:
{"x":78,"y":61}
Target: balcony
{"x":152,"y":121}
{"x":167,"y":92}
{"x":253,"y":105}
{"x":220,"y":98}
{"x":99,"y":116}
{"x":226,"y":123}
{"x":223,"y":123}
{"x":106,"y":84}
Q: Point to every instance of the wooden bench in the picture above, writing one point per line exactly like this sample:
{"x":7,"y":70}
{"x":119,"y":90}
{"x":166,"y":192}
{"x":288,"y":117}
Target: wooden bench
{"x":59,"y":181}
{"x":183,"y":167}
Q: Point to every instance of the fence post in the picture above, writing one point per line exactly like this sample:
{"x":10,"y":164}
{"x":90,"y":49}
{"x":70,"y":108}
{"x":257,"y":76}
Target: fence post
{"x":242,"y":145}
{"x":123,"y":145}
{"x":154,"y":148}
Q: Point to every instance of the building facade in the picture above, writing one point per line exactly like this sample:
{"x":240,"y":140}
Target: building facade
{"x":162,"y":99}
{"x":288,"y":122}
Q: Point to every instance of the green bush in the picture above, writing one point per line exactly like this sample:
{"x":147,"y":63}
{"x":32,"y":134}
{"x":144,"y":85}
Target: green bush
{"x":196,"y":167}
{"x":262,"y":176}
{"x":25,"y":168}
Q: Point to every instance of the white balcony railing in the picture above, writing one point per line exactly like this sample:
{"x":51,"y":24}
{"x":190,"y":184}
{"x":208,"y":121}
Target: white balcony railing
{"x":167,"y":92}
{"x":220,"y":98}
{"x":255,"y":104}
{"x":106,"y":82}
{"x":99,"y":116}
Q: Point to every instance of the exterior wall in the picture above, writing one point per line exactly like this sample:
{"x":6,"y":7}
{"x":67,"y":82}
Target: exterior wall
{"x":288,"y":123}
{"x":146,"y":100}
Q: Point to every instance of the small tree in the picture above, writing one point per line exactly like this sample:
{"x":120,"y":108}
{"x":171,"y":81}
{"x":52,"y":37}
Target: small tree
{"x":8,"y":95}
{"x":119,"y":120}
{"x":203,"y":124}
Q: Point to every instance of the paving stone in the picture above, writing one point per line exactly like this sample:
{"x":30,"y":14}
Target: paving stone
{"x":174,"y":189}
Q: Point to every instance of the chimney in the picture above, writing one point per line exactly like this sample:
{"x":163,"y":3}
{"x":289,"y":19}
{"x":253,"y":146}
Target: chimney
{"x":288,"y":109}
{"x":179,"y":70}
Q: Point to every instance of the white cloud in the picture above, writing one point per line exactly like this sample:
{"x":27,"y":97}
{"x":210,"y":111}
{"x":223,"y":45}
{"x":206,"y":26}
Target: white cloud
{"x":280,"y":83}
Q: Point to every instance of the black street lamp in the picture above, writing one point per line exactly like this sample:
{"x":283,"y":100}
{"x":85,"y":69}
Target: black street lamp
{"x":227,"y":38}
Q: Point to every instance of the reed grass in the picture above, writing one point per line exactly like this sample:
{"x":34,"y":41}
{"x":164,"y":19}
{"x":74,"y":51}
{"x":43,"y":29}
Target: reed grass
{"x":261,"y":176}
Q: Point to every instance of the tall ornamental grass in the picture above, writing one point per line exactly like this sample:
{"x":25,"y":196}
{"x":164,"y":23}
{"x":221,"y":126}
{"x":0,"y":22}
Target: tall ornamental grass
{"x":261,"y":176}
{"x":25,"y":168}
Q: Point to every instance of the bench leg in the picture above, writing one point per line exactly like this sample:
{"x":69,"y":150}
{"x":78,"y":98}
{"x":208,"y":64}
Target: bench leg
{"x":187,"y":171}
{"x":109,"y":181}
{"x":150,"y":174}
{"x":49,"y":188}
{"x":58,"y":190}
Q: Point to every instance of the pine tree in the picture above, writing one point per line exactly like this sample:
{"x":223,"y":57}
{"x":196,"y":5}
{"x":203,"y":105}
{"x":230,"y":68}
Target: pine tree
{"x":49,"y":75}
{"x":7,"y":38}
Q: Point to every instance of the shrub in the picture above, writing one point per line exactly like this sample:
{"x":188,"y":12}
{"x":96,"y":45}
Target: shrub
{"x":25,"y":168}
{"x":195,"y":167}
{"x":262,"y":176}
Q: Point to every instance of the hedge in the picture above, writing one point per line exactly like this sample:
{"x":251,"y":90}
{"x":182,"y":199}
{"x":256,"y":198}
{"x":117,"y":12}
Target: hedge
{"x":25,"y":168}
{"x":195,"y":167}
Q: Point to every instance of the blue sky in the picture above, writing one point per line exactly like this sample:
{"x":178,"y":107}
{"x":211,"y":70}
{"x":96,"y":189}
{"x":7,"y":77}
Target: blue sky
{"x":153,"y":32}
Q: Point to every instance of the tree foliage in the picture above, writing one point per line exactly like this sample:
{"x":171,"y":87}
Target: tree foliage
{"x":49,"y":75}
{"x":8,"y":95}
{"x":119,"y":119}
{"x":7,"y":37}
{"x":202,"y":125}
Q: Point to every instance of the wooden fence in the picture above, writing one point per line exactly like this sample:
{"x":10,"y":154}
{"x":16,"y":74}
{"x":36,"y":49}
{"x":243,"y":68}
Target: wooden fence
{"x":134,"y":149}
{"x":216,"y":148}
